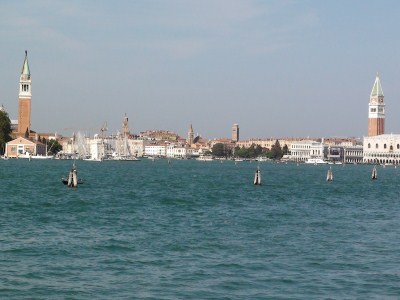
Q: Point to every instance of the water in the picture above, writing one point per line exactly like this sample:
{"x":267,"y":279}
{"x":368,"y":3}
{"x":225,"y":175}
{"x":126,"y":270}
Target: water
{"x":198,"y":230}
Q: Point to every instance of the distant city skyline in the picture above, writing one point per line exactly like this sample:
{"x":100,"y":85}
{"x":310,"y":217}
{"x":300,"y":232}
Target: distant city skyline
{"x":276,"y":68}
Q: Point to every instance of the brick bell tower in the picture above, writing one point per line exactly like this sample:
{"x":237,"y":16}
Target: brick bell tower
{"x":24,"y":99}
{"x":376,"y":113}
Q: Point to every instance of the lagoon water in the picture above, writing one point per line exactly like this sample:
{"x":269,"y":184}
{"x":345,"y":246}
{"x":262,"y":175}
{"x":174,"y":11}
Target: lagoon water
{"x":198,"y":230}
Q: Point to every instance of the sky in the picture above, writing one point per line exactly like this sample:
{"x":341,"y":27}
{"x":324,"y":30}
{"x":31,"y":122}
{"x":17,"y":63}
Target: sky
{"x":277,"y":68}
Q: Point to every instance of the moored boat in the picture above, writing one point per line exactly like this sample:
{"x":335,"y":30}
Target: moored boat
{"x":315,"y":161}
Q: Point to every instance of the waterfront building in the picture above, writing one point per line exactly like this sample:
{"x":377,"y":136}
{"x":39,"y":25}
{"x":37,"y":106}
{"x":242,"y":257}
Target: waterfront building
{"x":304,"y":150}
{"x":353,"y":154}
{"x":376,"y":110}
{"x":235,"y":132}
{"x":157,"y":150}
{"x":268,"y":143}
{"x":382,"y":149}
{"x":177,"y":151}
{"x":98,"y":148}
{"x":24,"y":99}
{"x":20,"y":146}
{"x":137,"y":147}
{"x":159,"y":135}
{"x":229,"y":144}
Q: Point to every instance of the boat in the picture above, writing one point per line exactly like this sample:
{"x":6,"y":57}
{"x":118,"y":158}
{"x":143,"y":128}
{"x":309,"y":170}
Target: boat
{"x":262,"y":158}
{"x":329,"y":175}
{"x":374,"y":174}
{"x":315,"y":161}
{"x":29,"y":156}
{"x":93,"y":158}
{"x":123,"y":151}
{"x":123,"y":158}
{"x":72,"y":180}
{"x":205,"y":158}
{"x":257,"y":177}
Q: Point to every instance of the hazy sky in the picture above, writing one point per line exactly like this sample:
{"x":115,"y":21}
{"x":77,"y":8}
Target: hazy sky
{"x":277,"y":68}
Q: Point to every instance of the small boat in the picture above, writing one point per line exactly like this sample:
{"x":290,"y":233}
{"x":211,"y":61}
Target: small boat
{"x":329,"y":175}
{"x":315,"y":161}
{"x":257,"y":177}
{"x":374,"y":174}
{"x":29,"y":156}
{"x":205,"y":158}
{"x":72,"y":180}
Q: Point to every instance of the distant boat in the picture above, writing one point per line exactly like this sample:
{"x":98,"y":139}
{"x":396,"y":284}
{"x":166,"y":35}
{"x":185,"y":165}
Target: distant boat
{"x":205,"y":158}
{"x":329,"y":175}
{"x":374,"y":174}
{"x":315,"y":161}
{"x":261,"y":158}
{"x":257,"y":177}
{"x":30,"y":156}
{"x":93,"y":158}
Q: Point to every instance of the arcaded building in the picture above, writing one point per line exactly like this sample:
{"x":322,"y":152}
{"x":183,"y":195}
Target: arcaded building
{"x":382,"y":149}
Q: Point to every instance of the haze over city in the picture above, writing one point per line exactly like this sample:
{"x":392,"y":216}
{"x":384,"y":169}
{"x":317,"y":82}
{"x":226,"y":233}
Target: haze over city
{"x":277,"y":68}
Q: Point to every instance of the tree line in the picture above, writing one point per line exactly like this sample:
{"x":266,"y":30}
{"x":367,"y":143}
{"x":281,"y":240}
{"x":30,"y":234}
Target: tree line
{"x":276,"y":151}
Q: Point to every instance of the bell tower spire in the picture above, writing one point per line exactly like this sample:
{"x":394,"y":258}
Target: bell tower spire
{"x":24,"y":99}
{"x":190,"y":137}
{"x":376,"y":106}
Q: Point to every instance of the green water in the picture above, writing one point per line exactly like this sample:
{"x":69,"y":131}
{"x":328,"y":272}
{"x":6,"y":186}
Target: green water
{"x":198,"y":230}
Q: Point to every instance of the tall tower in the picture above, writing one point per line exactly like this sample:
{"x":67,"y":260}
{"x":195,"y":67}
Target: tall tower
{"x":125,"y":126}
{"x":235,"y":132}
{"x":376,"y":114}
{"x":24,"y":99}
{"x":190,"y":137}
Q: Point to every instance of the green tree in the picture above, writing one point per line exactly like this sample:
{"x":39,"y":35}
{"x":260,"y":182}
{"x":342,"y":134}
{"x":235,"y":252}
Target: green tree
{"x":285,"y":150}
{"x":53,"y":146}
{"x":5,"y":131}
{"x":218,"y":149}
{"x":276,"y":151}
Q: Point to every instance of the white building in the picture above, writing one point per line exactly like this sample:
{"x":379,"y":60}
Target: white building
{"x":155,"y":150}
{"x":97,"y":148}
{"x":353,"y":154}
{"x":301,"y":151}
{"x":175,"y":151}
{"x":384,"y":148}
{"x":137,"y":147}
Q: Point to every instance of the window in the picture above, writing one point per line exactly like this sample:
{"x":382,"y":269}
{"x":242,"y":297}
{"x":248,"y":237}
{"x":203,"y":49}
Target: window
{"x":373,"y":109}
{"x":369,"y":145}
{"x":384,"y":146}
{"x":376,"y":146}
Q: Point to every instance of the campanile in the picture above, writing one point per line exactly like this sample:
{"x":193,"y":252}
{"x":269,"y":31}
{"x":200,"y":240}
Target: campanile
{"x":24,"y":99}
{"x":376,"y":113}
